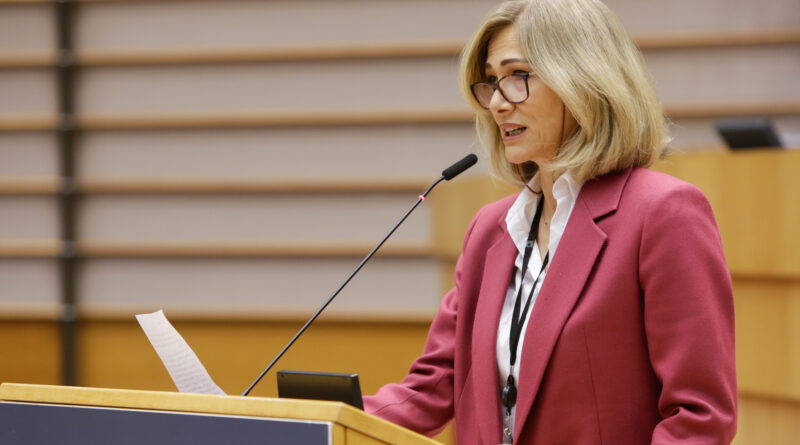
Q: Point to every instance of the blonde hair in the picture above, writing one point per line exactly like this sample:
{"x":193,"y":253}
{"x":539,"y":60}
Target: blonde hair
{"x":579,"y":49}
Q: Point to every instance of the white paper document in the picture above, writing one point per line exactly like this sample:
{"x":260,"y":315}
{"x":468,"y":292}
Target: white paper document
{"x":188,"y":374}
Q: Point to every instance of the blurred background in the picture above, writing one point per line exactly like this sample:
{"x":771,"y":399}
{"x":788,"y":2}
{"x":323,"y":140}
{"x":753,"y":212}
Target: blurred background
{"x":230,"y":162}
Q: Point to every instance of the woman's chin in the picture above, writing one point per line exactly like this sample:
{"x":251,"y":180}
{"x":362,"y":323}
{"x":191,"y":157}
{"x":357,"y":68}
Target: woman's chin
{"x":519,"y":154}
{"x":516,"y":155}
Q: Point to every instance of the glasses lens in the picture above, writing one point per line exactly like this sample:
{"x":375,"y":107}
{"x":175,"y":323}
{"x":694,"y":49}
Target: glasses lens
{"x":483,"y":93}
{"x":514,"y":87}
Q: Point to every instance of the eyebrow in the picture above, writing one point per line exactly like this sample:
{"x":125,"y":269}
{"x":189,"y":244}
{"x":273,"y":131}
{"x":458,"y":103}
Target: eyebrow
{"x":507,"y":61}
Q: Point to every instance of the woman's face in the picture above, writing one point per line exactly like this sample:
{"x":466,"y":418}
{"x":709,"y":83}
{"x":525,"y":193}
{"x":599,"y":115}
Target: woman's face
{"x":531,"y":130}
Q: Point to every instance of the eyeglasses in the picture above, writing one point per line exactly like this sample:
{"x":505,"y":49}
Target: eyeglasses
{"x":513,"y":88}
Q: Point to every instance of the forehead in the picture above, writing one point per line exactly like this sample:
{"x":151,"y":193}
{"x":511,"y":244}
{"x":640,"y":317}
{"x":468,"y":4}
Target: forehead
{"x":503,"y":45}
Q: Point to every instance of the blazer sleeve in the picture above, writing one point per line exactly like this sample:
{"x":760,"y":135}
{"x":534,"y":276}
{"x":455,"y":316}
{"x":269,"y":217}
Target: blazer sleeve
{"x":423,"y":401}
{"x":689,"y":319}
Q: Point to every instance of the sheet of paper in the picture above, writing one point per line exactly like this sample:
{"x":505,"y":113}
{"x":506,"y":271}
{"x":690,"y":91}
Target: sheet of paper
{"x":181,"y":362}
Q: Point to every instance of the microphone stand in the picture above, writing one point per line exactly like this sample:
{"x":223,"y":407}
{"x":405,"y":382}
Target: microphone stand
{"x":350,"y":277}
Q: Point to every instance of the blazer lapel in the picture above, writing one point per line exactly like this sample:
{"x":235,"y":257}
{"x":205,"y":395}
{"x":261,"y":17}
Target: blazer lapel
{"x":496,"y":275}
{"x":577,"y":253}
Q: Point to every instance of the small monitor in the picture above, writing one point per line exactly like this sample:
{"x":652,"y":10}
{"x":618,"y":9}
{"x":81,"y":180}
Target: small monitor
{"x":320,"y":386}
{"x":746,"y":133}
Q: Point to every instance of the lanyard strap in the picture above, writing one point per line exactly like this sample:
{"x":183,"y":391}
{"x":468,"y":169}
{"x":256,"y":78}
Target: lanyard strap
{"x":508,"y":395}
{"x":517,"y":319}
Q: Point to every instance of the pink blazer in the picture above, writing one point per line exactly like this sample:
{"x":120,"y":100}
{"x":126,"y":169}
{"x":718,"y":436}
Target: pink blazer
{"x":631,"y":340}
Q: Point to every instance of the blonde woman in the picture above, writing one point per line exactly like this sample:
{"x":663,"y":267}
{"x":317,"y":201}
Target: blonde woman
{"x":595,"y":306}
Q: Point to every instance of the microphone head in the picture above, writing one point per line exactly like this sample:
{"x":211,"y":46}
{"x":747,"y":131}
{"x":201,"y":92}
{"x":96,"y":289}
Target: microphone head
{"x":457,"y":168}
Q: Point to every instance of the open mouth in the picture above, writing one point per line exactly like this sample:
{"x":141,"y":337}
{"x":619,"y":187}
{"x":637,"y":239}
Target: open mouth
{"x":514,"y":131}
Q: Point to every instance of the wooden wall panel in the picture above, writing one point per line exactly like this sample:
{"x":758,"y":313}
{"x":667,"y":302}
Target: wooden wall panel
{"x":768,"y":338}
{"x":754,"y":195}
{"x":691,"y":133}
{"x":117,"y":353}
{"x":29,"y":351}
{"x":453,"y":208}
{"x":767,"y":421}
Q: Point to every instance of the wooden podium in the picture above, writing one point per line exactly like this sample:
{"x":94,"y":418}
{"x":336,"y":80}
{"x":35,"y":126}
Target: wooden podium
{"x":41,"y":414}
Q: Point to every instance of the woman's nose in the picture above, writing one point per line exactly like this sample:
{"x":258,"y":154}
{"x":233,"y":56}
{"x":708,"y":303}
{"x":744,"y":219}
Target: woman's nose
{"x":498,"y":102}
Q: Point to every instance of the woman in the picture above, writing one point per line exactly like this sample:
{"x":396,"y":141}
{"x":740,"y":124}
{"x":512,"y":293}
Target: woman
{"x":595,"y":306}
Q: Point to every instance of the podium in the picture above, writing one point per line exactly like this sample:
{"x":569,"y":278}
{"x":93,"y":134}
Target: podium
{"x":43,"y":414}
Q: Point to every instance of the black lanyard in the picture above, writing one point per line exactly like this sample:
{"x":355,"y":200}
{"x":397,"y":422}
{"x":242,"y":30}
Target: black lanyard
{"x":509,"y":392}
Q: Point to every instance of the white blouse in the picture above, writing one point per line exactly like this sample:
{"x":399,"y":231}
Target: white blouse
{"x":518,"y":220}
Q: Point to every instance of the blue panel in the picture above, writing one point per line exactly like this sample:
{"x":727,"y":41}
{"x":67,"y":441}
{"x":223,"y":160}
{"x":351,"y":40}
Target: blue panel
{"x":39,"y":424}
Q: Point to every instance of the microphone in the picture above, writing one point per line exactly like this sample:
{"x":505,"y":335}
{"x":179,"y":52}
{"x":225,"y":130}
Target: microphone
{"x":447,"y":174}
{"x":459,"y":167}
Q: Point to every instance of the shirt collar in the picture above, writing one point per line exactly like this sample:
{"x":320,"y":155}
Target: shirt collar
{"x":520,"y":214}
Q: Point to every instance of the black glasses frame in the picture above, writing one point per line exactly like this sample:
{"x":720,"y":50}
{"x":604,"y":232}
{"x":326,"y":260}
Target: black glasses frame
{"x":496,"y":86}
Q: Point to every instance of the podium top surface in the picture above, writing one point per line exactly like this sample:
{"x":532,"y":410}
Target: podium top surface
{"x":334,"y":412}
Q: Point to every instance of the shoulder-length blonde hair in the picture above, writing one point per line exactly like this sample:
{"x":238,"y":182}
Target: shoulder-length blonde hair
{"x":579,"y":49}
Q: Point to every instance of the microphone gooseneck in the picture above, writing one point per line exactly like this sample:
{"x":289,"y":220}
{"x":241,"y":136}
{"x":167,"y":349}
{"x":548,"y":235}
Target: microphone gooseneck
{"x":448,"y":174}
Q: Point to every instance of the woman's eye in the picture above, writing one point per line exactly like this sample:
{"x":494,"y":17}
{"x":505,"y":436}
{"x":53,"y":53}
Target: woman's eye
{"x":491,"y":79}
{"x":521,"y":72}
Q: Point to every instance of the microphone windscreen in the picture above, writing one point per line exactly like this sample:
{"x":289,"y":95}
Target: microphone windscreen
{"x":457,"y":168}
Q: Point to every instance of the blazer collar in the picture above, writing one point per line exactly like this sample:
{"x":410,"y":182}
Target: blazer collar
{"x":602,"y":195}
{"x":579,"y":249}
{"x":499,"y":265}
